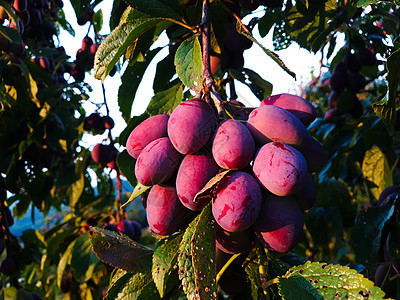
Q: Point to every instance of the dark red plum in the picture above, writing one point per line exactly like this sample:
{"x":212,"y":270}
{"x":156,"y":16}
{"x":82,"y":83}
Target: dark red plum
{"x":280,"y":168}
{"x":126,"y":228}
{"x":271,"y":123}
{"x":149,"y":130}
{"x":102,"y":154}
{"x":233,"y":242}
{"x":157,"y":162}
{"x":280,"y":223}
{"x":298,"y":106}
{"x":191,"y":125}
{"x":306,"y":197}
{"x":194,"y":172}
{"x":314,"y":154}
{"x":164,"y":210}
{"x":383,"y":197}
{"x":237,"y":201}
{"x":233,"y":146}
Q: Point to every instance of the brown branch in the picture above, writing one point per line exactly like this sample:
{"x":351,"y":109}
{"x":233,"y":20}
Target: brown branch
{"x":209,"y":87}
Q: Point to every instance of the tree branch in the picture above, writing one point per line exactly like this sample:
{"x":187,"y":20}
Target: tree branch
{"x":209,"y":87}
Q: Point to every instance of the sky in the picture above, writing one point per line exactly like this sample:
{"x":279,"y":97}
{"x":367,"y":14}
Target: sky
{"x":298,"y":60}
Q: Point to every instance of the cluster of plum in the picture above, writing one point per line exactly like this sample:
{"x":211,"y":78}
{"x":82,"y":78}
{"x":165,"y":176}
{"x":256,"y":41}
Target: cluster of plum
{"x":269,"y":183}
{"x":84,"y":59}
{"x":391,"y":264}
{"x":98,"y":123}
{"x":346,"y":77}
{"x":131,"y":228}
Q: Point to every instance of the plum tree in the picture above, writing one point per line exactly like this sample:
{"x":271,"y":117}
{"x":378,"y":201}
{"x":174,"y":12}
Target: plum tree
{"x":190,"y":125}
{"x":157,"y":162}
{"x":149,"y":130}
{"x":164,"y":210}
{"x":194,"y":172}
{"x":237,"y":201}
{"x":280,"y":168}
{"x":280,"y":224}
{"x":233,"y":146}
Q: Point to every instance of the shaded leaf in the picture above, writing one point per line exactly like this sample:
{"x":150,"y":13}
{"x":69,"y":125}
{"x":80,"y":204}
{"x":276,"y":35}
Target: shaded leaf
{"x":367,"y":232}
{"x":120,"y":251}
{"x":80,"y":7}
{"x":322,"y":281}
{"x":83,"y":260}
{"x":260,"y":87}
{"x":376,"y":169}
{"x":131,"y":79}
{"x":165,"y":102}
{"x":203,"y":255}
{"x":11,"y":34}
{"x":188,"y":63}
{"x":271,"y":54}
{"x":386,"y":108}
{"x":126,"y":164}
{"x":157,"y":8}
{"x":118,"y":280}
{"x":164,"y":261}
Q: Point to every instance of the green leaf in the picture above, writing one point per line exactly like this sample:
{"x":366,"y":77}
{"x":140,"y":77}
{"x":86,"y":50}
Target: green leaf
{"x":11,"y":33}
{"x":271,"y":54}
{"x":83,"y":259}
{"x":157,"y":8}
{"x":386,"y":108}
{"x":308,"y":25}
{"x":80,"y":6}
{"x":366,"y":234}
{"x":118,"y":280}
{"x":116,"y":43}
{"x":62,"y":264}
{"x":364,"y":3}
{"x":164,"y":72}
{"x":164,"y":261}
{"x":203,"y":255}
{"x":98,"y":20}
{"x":188,"y":63}
{"x":166,"y":101}
{"x":376,"y":169}
{"x":260,"y":87}
{"x":120,"y":251}
{"x":75,"y":191}
{"x":140,"y":287}
{"x":131,"y":79}
{"x":14,"y":19}
{"x":137,"y":191}
{"x":126,"y":165}
{"x":322,"y":281}
{"x":185,"y":265}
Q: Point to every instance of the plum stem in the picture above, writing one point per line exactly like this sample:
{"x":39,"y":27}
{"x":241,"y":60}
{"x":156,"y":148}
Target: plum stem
{"x":227,"y":264}
{"x":209,"y":87}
